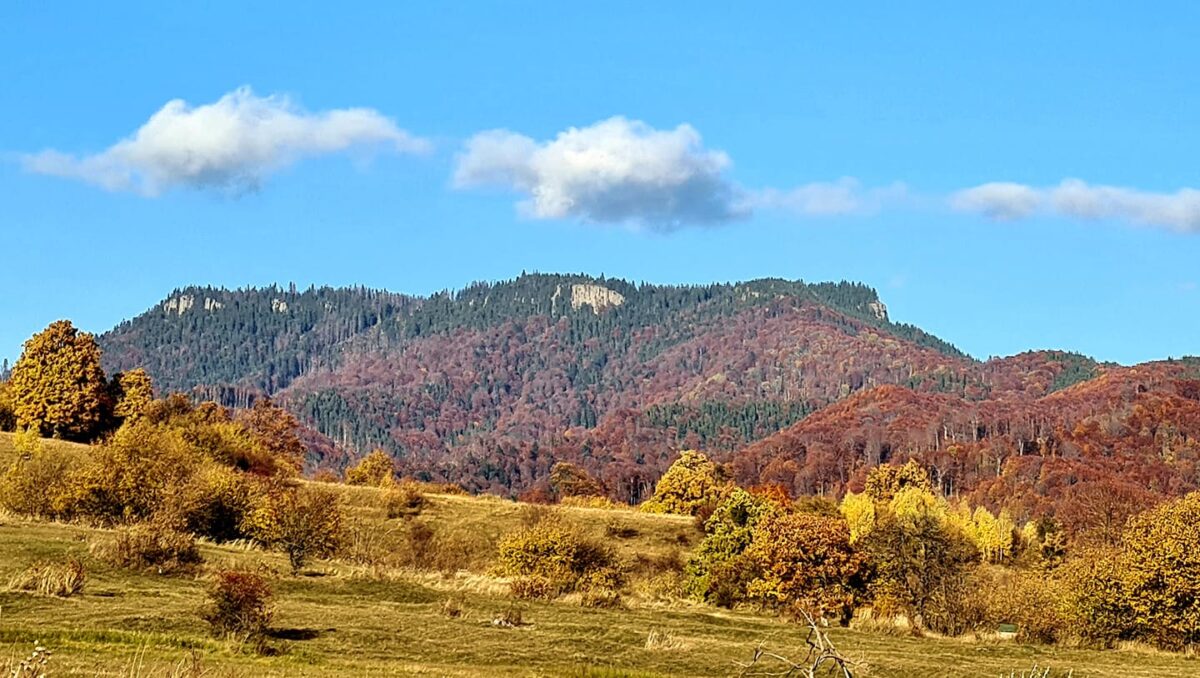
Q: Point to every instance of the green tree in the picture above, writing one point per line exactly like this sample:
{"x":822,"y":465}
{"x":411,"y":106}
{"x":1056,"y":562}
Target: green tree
{"x":58,"y":386}
{"x":716,"y":572}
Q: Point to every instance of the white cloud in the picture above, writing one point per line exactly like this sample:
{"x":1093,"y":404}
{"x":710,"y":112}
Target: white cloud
{"x":998,"y":200}
{"x":1179,"y":211}
{"x":233,"y":144}
{"x":615,"y":171}
{"x":842,"y":197}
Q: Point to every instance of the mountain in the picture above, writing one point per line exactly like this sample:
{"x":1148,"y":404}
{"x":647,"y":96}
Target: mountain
{"x":491,"y":385}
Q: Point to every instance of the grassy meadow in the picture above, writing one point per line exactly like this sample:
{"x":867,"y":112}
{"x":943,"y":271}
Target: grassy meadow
{"x":346,"y":618}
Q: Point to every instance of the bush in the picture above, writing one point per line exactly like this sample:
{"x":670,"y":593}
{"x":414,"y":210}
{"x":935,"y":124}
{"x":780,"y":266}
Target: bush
{"x":592,"y":502}
{"x":217,"y":502}
{"x":51,"y":578}
{"x":691,"y":482}
{"x":403,"y":500}
{"x":154,"y":545}
{"x":552,"y":552}
{"x":136,"y":473}
{"x":377,"y":469}
{"x":530,"y":588}
{"x":40,"y":484}
{"x":239,"y":605}
{"x":303,"y":522}
{"x":569,"y":480}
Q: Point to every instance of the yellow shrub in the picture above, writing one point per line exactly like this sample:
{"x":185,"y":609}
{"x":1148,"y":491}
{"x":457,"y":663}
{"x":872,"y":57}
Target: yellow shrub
{"x":554,"y":553}
{"x":42,"y":483}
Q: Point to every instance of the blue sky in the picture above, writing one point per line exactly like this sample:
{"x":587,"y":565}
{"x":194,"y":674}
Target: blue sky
{"x":945,"y":119}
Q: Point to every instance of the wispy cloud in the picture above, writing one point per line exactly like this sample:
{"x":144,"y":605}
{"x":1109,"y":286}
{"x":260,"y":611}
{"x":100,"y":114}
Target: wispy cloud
{"x":615,"y":171}
{"x":845,"y":196}
{"x":231,"y":144}
{"x":1073,"y":198}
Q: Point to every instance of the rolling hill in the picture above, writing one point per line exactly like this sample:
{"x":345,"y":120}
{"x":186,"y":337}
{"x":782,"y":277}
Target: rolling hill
{"x":800,"y":384}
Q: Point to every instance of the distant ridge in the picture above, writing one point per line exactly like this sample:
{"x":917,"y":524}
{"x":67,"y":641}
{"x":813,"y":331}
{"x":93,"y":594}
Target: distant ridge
{"x":491,"y":384}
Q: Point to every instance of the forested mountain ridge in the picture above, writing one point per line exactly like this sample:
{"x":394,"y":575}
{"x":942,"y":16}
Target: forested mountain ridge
{"x":262,"y":338}
{"x":489,"y":386}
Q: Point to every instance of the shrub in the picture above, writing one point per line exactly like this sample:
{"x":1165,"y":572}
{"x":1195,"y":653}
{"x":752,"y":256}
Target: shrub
{"x":600,"y":597}
{"x":529,"y":588}
{"x":403,"y":500}
{"x":153,"y":545}
{"x":806,"y":560}
{"x":377,"y":468}
{"x":691,"y":482}
{"x":50,"y":578}
{"x":1036,"y":603}
{"x":217,"y":502}
{"x":592,"y":502}
{"x":303,"y":522}
{"x":40,"y":484}
{"x":569,"y":480}
{"x":137,"y":472}
{"x":557,"y":554}
{"x":239,"y":605}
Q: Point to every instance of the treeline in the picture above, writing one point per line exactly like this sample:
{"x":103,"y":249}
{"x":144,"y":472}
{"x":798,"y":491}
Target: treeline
{"x":899,"y":552}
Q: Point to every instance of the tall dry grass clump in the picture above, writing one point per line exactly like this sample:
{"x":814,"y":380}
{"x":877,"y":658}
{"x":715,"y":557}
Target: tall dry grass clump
{"x":154,"y":545}
{"x":61,"y":579}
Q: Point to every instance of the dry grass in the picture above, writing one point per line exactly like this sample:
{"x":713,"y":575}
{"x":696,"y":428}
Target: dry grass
{"x":61,"y":579}
{"x":382,"y":617}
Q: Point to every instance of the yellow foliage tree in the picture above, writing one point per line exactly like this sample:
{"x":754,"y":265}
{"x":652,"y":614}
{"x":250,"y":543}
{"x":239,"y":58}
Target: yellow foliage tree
{"x":691,"y":483}
{"x":8,"y":418}
{"x":859,"y":512}
{"x":1162,"y":572}
{"x":133,"y":391}
{"x":58,"y":386}
{"x":377,"y":469}
{"x":885,"y":480}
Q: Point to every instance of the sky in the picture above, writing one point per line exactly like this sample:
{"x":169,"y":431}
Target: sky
{"x":1009,"y":177}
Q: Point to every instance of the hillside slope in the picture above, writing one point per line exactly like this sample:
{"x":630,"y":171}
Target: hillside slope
{"x":491,"y":385}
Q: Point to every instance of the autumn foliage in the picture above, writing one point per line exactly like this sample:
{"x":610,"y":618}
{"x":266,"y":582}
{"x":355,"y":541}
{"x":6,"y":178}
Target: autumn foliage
{"x":57,"y":386}
{"x":690,"y":484}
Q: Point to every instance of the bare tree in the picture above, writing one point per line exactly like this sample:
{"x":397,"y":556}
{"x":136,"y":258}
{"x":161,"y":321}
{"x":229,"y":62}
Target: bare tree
{"x":821,"y":658}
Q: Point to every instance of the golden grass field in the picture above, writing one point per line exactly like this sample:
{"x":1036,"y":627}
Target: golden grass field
{"x":340,"y":619}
